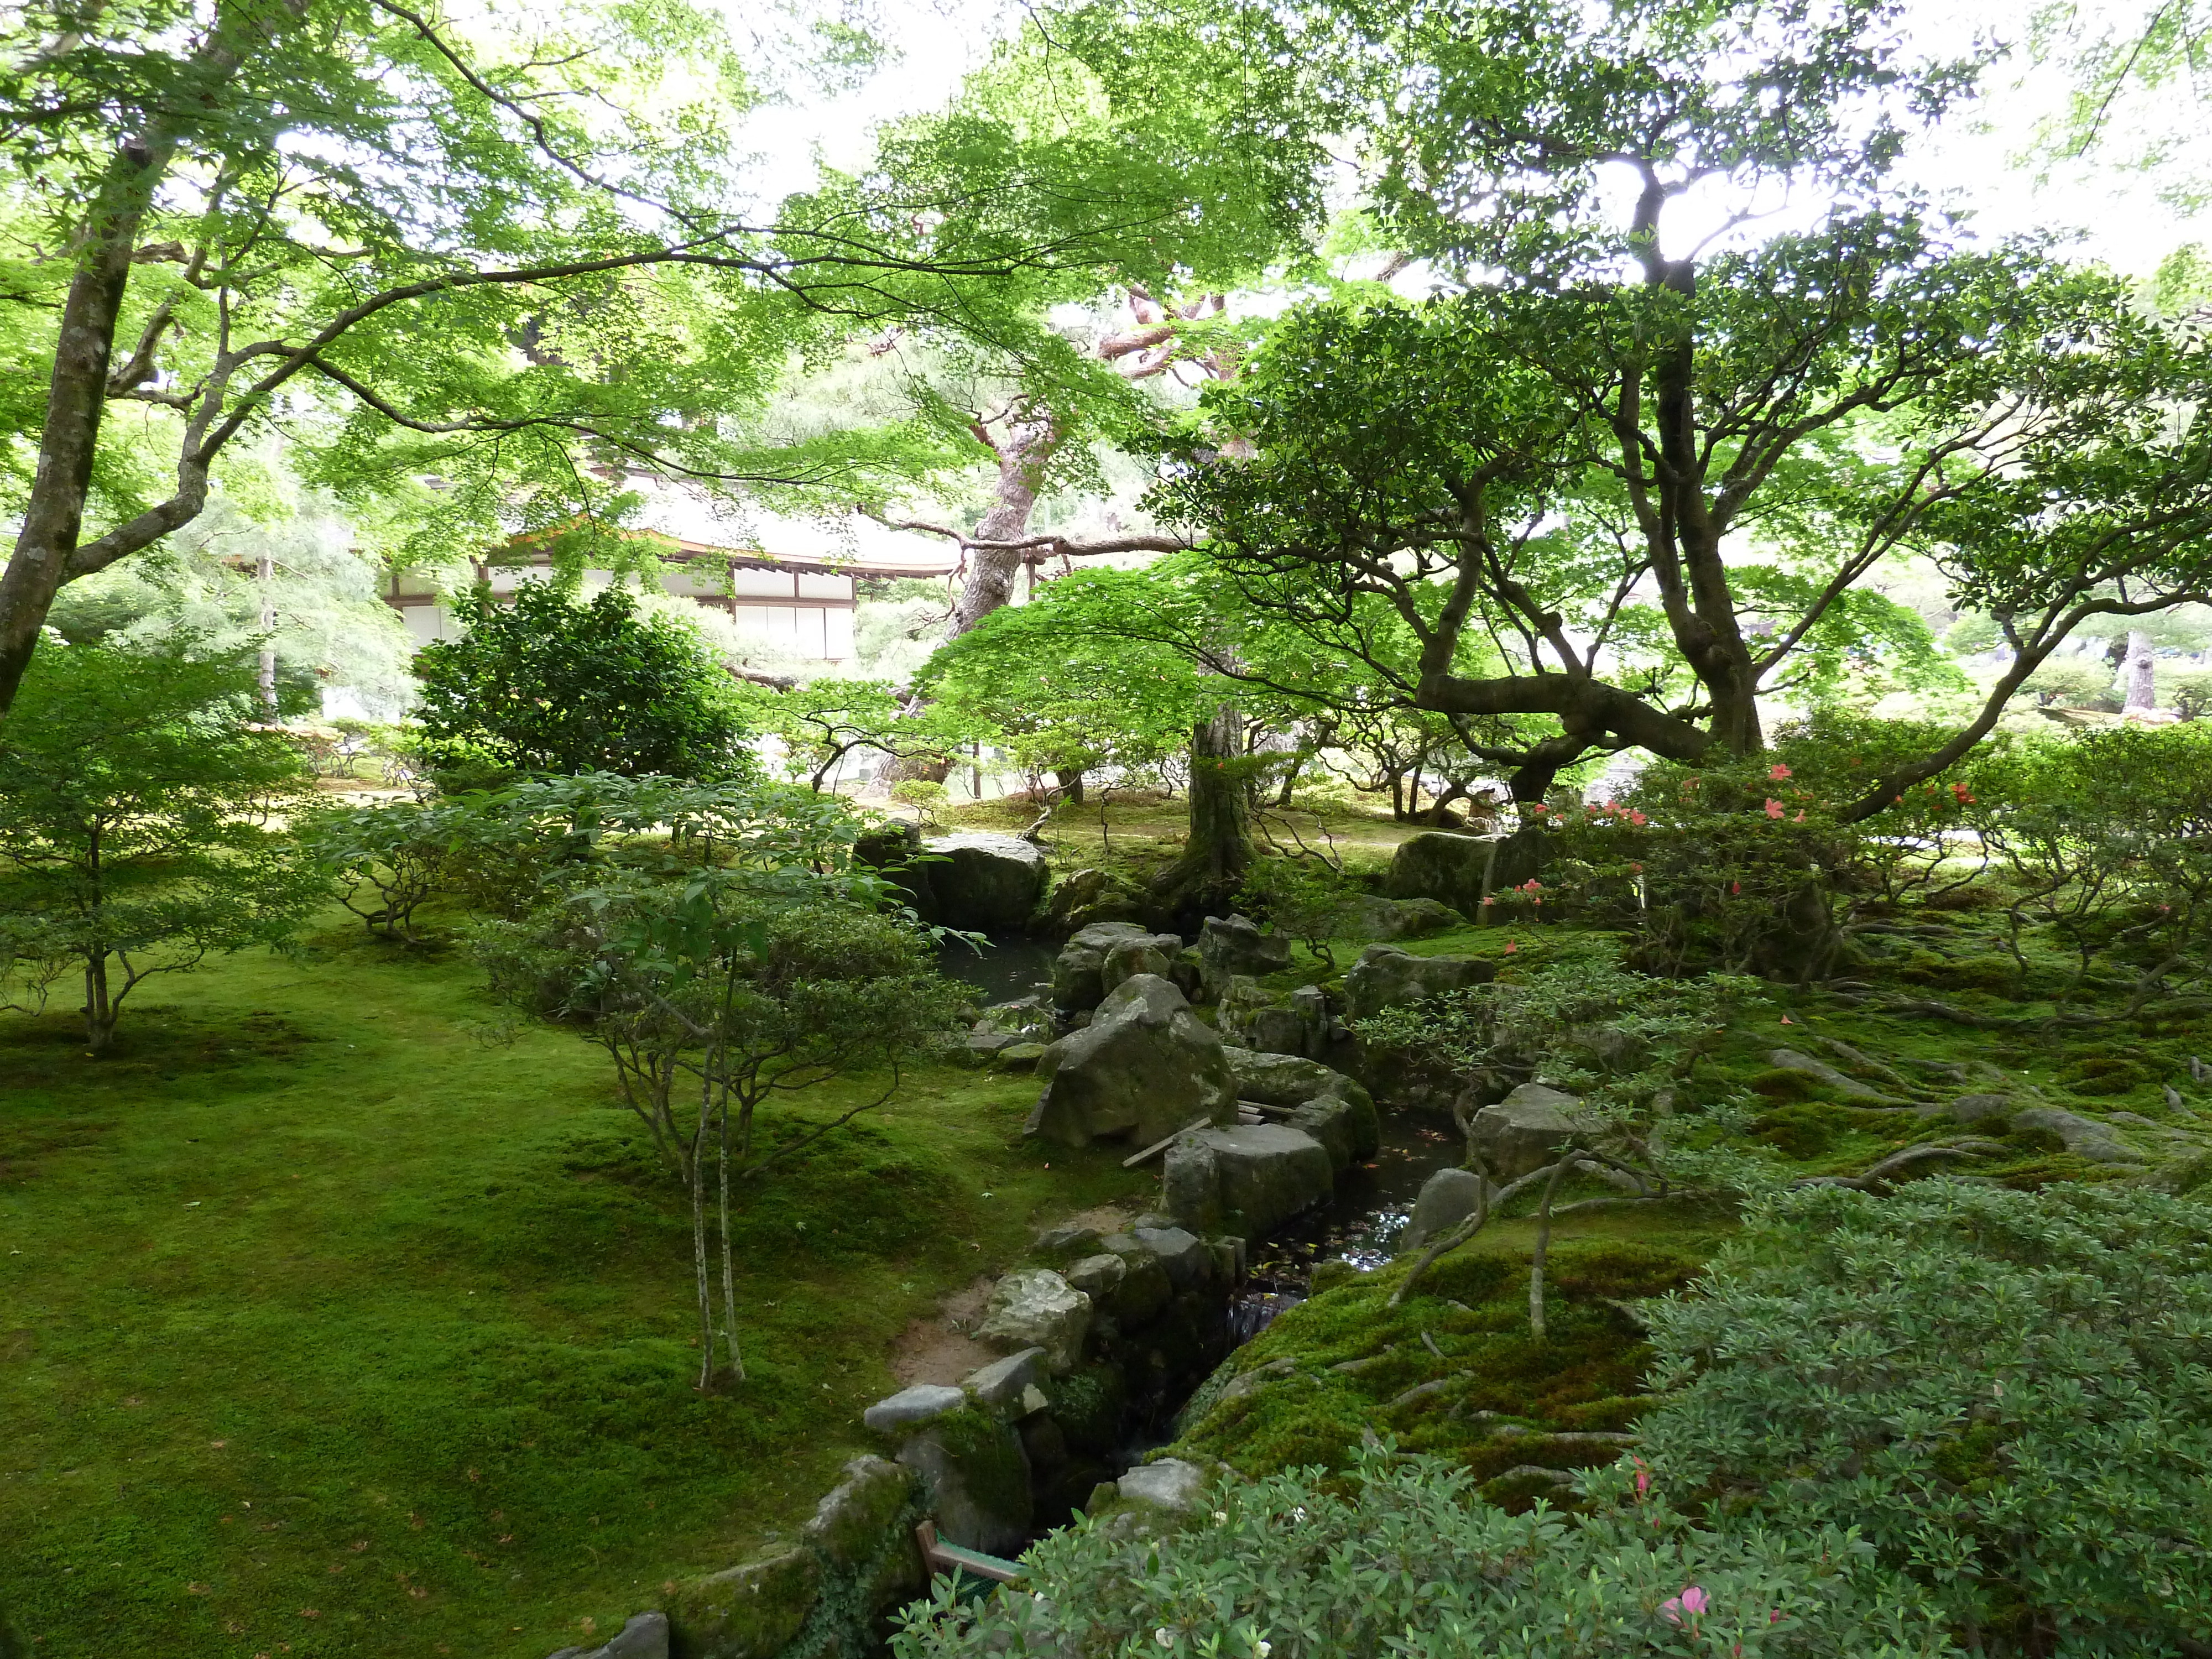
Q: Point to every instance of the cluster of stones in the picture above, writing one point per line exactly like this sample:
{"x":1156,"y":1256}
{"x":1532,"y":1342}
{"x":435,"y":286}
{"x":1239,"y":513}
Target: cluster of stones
{"x":1027,"y":1439}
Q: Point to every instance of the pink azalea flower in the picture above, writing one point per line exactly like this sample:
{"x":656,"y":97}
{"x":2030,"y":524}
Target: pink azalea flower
{"x":1800,"y":819}
{"x":1638,"y":820}
{"x":1773,"y":807}
{"x":1532,"y":885}
{"x":1510,"y":947}
{"x":1488,"y":899}
{"x":1778,"y":771}
{"x":1692,"y":1600}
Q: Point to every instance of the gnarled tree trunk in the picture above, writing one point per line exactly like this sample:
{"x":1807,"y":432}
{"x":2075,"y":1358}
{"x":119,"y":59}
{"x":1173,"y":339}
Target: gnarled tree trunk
{"x":1218,"y":850}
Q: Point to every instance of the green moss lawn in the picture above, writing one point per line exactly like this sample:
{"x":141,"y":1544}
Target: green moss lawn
{"x":330,"y":1327}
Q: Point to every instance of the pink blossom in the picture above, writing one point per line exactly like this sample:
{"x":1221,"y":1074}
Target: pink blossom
{"x":1692,"y":1600}
{"x":1735,"y":887}
{"x":1532,"y":885}
{"x":1778,"y":771}
{"x":1489,"y":899}
{"x":1773,"y":807}
{"x":1800,"y":819}
{"x":1643,"y":1478}
{"x":1960,"y":790}
{"x":1612,"y":806}
{"x":1510,"y":947}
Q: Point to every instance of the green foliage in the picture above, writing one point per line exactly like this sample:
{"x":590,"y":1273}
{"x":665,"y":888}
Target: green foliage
{"x":328,"y":623}
{"x":822,"y":722}
{"x":135,"y":798}
{"x":2005,"y":1392}
{"x":387,"y":860}
{"x":543,"y":685}
{"x":747,"y":956}
{"x":2072,"y":683}
{"x":1306,"y":898}
{"x":1407,"y":1562}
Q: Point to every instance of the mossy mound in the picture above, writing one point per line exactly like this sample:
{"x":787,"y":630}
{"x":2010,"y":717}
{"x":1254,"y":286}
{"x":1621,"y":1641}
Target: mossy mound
{"x":1454,"y":1372}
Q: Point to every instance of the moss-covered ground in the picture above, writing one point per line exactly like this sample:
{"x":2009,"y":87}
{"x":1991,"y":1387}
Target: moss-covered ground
{"x":330,"y":1327}
{"x":1456,"y":1370}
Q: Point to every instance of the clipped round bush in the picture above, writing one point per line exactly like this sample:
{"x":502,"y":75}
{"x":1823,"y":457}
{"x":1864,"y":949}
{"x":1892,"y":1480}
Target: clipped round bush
{"x":2008,"y":1393}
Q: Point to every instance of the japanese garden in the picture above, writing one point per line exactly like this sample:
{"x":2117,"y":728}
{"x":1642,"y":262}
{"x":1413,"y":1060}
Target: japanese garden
{"x":1105,"y":827}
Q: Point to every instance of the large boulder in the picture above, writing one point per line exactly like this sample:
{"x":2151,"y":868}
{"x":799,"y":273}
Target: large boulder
{"x":989,"y":884}
{"x":1144,"y":1066}
{"x":1084,"y":898}
{"x":916,"y":1404}
{"x":1254,"y":1018}
{"x":1234,"y":944}
{"x":1326,"y":1104}
{"x":1377,"y":918}
{"x":850,"y":1524}
{"x":1249,"y":1179}
{"x":748,"y":1612}
{"x":1525,"y":1130}
{"x":1035,"y":1308}
{"x":1462,"y":871}
{"x":977,"y":1477}
{"x":1385,"y":976}
{"x":1155,"y":953}
{"x":1078,"y":972}
{"x":1447,"y":1198}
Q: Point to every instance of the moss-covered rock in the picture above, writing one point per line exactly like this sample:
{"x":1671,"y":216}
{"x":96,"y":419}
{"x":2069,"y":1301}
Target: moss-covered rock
{"x":749,"y":1612}
{"x":977,"y":1478}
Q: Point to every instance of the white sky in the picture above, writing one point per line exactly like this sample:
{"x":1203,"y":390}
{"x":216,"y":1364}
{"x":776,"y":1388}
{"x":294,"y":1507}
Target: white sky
{"x":1972,"y":160}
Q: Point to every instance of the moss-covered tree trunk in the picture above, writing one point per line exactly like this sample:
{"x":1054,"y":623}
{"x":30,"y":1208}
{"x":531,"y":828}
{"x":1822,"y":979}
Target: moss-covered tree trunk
{"x":1219,"y":848}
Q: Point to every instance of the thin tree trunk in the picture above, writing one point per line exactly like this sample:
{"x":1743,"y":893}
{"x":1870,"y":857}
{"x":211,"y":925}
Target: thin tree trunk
{"x":265,"y":575}
{"x":729,"y":1264}
{"x":698,"y":1183}
{"x":1543,"y":1249}
{"x":99,"y":1010}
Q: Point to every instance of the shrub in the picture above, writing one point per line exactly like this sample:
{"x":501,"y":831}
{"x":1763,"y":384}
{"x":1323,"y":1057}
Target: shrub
{"x":2008,"y":1393}
{"x":2072,"y":683}
{"x":1408,"y":1562}
{"x":544,"y":685}
{"x":135,"y":795}
{"x":1306,"y":898}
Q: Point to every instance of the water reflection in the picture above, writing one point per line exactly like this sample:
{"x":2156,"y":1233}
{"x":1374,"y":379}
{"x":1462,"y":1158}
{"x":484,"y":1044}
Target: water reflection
{"x":1359,"y":1224}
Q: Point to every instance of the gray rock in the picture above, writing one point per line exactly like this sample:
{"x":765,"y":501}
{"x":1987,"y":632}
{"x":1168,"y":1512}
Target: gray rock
{"x":1144,"y":1066}
{"x":1789,"y":1060}
{"x":849,"y":1524}
{"x":1373,"y":918}
{"x":1065,"y":1241}
{"x":1263,"y":1174}
{"x":749,"y":1610}
{"x":1523,"y":1131}
{"x":1188,"y":1262}
{"x":1169,"y":1484}
{"x":2133,"y":1119}
{"x":1145,"y":1288}
{"x":1019,"y":1057}
{"x":1098,"y":1276}
{"x":909,"y":1406}
{"x":2084,"y":1137}
{"x":1035,"y":1307}
{"x":1000,"y":1384}
{"x":1385,"y":976}
{"x":1086,"y":898}
{"x":1447,"y":1198}
{"x":1235,"y":945}
{"x":1461,"y":871}
{"x":644,"y":1635}
{"x":1154,"y":954}
{"x":1331,"y":1108}
{"x":1077,"y":972}
{"x":986,"y":883}
{"x":978,"y":1478}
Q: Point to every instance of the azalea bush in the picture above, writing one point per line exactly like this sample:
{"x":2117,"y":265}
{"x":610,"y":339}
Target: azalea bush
{"x":1408,"y":1562}
{"x":2008,"y":1394}
{"x":1748,"y":865}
